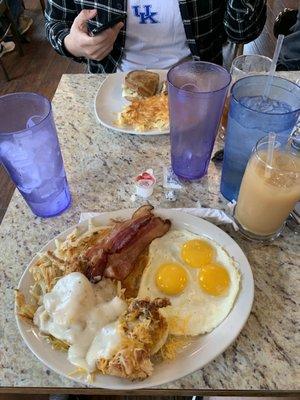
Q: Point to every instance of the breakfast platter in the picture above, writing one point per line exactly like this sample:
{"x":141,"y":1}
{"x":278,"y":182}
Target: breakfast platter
{"x":222,"y":293}
{"x":110,"y":101}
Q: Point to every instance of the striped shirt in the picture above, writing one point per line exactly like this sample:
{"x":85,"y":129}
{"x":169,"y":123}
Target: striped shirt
{"x":207,"y":23}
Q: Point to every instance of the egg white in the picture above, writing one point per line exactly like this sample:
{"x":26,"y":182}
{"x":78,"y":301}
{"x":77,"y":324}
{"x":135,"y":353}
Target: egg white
{"x":193,"y":311}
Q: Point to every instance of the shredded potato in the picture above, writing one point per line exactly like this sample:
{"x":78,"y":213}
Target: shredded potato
{"x":173,"y":346}
{"x":24,"y":310}
{"x":57,"y":344}
{"x":53,"y":265}
{"x":146,"y":114}
{"x":180,"y":325}
{"x":90,"y":377}
{"x":102,"y":365}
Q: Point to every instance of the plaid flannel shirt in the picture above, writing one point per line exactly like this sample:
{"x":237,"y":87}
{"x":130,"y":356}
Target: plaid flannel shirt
{"x":206,"y":24}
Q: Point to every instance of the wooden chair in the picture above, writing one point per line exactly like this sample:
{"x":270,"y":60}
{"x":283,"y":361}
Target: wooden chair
{"x":43,"y":4}
{"x":238,"y":50}
{"x":17,"y":38}
{"x":230,"y":52}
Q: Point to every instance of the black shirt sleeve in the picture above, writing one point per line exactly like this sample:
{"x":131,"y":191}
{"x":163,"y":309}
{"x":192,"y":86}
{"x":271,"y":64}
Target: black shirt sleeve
{"x":244,"y":19}
{"x":59,"y":16}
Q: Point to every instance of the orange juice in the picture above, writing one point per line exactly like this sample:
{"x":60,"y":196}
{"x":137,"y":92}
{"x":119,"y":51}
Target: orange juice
{"x":268,"y":194}
{"x":224,"y":117}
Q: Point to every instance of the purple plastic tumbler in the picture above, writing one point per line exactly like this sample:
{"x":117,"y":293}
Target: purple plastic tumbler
{"x":30,"y":152}
{"x":197,"y":92}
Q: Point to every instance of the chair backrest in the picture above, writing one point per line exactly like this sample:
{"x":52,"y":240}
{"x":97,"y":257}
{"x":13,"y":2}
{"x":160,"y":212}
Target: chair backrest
{"x":239,"y":50}
{"x":230,"y":52}
{"x":3,"y":7}
{"x":8,"y":23}
{"x":43,"y":4}
{"x":3,"y":12}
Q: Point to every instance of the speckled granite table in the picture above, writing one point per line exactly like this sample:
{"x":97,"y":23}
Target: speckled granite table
{"x":100,"y":166}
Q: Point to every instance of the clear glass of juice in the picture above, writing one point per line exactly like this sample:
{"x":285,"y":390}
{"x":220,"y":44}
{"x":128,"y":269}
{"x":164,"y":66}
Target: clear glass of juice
{"x":270,"y":189}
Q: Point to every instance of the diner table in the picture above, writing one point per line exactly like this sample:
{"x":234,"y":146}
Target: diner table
{"x":101,"y":165}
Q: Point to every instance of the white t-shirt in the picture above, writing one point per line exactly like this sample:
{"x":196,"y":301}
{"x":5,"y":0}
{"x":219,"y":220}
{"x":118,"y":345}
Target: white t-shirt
{"x":155,"y":36}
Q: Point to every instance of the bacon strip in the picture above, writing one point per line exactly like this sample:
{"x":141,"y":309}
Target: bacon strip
{"x":126,"y":232}
{"x":120,"y":264}
{"x":115,"y":255}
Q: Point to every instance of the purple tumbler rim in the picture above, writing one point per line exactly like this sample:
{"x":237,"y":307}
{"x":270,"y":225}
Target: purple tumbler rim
{"x":198,"y":92}
{"x":238,"y":82}
{"x":29,"y":94}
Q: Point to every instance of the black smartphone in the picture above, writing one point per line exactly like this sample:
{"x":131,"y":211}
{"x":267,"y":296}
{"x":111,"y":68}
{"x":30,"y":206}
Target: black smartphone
{"x":109,"y":24}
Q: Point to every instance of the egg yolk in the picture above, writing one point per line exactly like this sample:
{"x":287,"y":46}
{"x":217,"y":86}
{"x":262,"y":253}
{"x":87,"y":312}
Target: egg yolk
{"x":171,"y":278}
{"x":214,"y":279}
{"x":197,"y":253}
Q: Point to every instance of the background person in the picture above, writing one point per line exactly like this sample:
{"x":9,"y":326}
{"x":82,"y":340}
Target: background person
{"x":22,"y":21}
{"x":289,"y":57}
{"x":157,"y":34}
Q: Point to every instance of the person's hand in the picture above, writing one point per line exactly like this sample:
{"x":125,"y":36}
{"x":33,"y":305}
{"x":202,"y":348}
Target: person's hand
{"x":80,"y":44}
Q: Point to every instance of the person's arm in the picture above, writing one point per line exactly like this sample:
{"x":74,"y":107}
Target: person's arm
{"x":244,"y":19}
{"x":67,"y":32}
{"x":60,"y":16}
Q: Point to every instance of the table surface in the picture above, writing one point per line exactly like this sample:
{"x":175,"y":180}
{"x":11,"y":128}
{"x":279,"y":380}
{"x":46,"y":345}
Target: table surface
{"x":100,"y":165}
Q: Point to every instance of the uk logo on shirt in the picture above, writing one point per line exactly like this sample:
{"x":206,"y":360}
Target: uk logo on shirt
{"x":145,"y":15}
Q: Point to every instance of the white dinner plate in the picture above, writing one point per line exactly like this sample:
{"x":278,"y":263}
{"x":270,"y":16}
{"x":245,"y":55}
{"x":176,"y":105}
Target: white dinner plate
{"x":201,"y":351}
{"x":109,"y":102}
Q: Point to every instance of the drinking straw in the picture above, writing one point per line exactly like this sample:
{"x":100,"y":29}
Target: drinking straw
{"x":273,"y":66}
{"x":270,"y":153}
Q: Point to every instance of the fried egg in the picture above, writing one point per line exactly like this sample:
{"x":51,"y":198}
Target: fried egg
{"x":197,"y":275}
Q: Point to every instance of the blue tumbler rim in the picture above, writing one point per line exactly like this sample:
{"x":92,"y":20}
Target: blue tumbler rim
{"x":25,"y":94}
{"x":200,"y":92}
{"x":239,"y":81}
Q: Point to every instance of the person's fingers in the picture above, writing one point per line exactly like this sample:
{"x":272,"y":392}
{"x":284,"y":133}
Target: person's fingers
{"x":99,"y":46}
{"x":83,"y":17}
{"x":99,"y":54}
{"x":103,"y":51}
{"x":116,"y":28}
{"x":99,"y":39}
{"x":109,"y":35}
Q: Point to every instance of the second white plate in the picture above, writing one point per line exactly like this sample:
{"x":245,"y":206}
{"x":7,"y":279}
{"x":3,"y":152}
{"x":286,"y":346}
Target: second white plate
{"x":109,"y":102}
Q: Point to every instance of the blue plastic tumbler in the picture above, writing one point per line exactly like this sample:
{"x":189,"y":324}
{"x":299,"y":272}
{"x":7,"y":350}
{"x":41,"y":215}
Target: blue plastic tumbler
{"x":30,"y":152}
{"x":252,"y":117}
